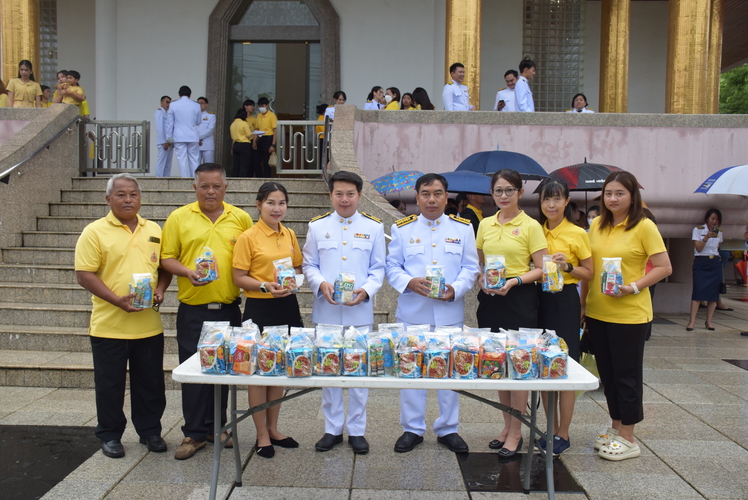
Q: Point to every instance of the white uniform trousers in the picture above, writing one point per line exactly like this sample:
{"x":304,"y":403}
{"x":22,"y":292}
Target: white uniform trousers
{"x":207,"y":156}
{"x":413,"y":409}
{"x":163,"y":163}
{"x":188,"y":156}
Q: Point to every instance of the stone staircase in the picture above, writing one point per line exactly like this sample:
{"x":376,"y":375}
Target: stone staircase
{"x":44,"y":313}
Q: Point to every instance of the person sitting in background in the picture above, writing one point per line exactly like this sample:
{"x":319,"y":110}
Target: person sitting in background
{"x":375,"y":99}
{"x":579,"y":105}
{"x":407,"y":102}
{"x":421,"y":100}
{"x":392,"y":98}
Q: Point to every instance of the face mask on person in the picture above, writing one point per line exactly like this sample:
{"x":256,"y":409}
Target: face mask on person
{"x":263,"y":109}
{"x":589,"y":220}
{"x":387,"y":99}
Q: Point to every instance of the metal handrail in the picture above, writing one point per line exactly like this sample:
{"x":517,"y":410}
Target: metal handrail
{"x":4,"y":175}
{"x":326,"y":147}
{"x":117,"y":145}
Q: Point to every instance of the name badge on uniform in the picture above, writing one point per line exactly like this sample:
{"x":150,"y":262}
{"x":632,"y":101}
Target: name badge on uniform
{"x":205,"y":119}
{"x":361,"y":235}
{"x":154,"y":239}
{"x":455,"y":241}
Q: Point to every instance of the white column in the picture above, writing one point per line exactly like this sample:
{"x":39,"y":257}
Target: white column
{"x":106,"y":59}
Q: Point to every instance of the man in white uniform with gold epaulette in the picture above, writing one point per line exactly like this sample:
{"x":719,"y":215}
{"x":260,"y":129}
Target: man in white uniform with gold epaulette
{"x":205,"y":132}
{"x":505,"y":98}
{"x":455,"y":94}
{"x":164,"y":147}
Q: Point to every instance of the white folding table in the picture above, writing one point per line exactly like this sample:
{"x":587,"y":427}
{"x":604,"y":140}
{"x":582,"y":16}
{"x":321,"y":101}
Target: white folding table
{"x":579,"y":379}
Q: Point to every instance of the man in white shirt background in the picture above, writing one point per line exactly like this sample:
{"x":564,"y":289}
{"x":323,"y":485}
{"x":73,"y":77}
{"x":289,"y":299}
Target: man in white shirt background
{"x":205,"y":132}
{"x":164,"y":147}
{"x":505,"y":98}
{"x":182,"y":120}
{"x":522,"y":91}
{"x":455,"y":94}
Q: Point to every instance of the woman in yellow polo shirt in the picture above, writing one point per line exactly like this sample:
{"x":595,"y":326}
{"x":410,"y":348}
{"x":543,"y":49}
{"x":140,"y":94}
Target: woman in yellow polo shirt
{"x":24,"y":92}
{"x":267,"y":304}
{"x":562,"y":312}
{"x":618,"y":324}
{"x":241,"y":144}
{"x":392,"y":98}
{"x":267,"y":122}
{"x":519,"y":238}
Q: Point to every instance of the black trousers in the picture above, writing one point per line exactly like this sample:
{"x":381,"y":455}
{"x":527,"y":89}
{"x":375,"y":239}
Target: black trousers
{"x":242,"y":159}
{"x":619,"y":351}
{"x":197,"y":399}
{"x":147,"y":396}
{"x":263,"y":146}
{"x":516,"y":309}
{"x":273,"y":312}
{"x":562,"y":313}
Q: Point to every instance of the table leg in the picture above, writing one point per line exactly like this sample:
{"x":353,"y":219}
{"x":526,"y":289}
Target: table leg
{"x":527,"y":459}
{"x":216,"y":440}
{"x":235,"y":437}
{"x":549,"y":444}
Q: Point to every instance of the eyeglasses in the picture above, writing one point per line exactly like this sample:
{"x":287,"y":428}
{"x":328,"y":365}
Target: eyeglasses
{"x":508,"y":191}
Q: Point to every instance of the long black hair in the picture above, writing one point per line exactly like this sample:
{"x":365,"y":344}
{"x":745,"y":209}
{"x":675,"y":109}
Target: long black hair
{"x":28,"y":64}
{"x":420,"y":96}
{"x":371,"y":94}
{"x":550,"y":188}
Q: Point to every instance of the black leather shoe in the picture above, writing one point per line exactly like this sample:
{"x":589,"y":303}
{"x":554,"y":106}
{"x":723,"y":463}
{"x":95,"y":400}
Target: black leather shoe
{"x":155,"y":444}
{"x":496,"y":444}
{"x":288,"y":442}
{"x":328,"y":442}
{"x":113,"y":448}
{"x":505,"y":453}
{"x":265,"y":451}
{"x":359,"y":444}
{"x":454,"y":442}
{"x":407,"y":442}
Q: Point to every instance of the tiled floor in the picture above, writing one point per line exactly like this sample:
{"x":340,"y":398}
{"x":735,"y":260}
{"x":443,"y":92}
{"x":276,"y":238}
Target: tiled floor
{"x":694,"y":439}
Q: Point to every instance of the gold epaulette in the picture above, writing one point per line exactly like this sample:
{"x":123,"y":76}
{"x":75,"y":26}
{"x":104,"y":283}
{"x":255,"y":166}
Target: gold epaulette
{"x":504,"y":88}
{"x":459,"y":219}
{"x":320,"y":217}
{"x":572,"y":109}
{"x":405,"y":220}
{"x":699,"y":227}
{"x":590,"y":109}
{"x":371,"y":217}
{"x":211,"y":113}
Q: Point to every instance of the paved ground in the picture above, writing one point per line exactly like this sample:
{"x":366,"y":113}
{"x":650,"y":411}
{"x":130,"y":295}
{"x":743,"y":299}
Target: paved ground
{"x":694,"y":438}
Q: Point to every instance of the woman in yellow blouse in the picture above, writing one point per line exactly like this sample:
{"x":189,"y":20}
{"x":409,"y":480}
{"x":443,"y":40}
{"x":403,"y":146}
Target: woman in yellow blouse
{"x":406,"y":103}
{"x":519,"y":238}
{"x":3,"y":95}
{"x":562,"y":311}
{"x":618,"y":323}
{"x":241,"y":144}
{"x":267,"y":303}
{"x":392,"y":98}
{"x":24,"y":92}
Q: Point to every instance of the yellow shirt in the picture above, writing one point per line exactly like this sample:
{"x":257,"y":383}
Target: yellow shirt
{"x":108,"y":248}
{"x":516,"y":240}
{"x":572,"y":241}
{"x":24,"y":94}
{"x":187,"y":231}
{"x":418,"y":107}
{"x":3,"y":100}
{"x":267,"y":122}
{"x":45,"y":104}
{"x":240,"y":131}
{"x":259,"y":246}
{"x":72,"y":100}
{"x":320,"y":128}
{"x":634,"y":247}
{"x":392,"y":105}
{"x":477,"y":211}
{"x":83,"y":108}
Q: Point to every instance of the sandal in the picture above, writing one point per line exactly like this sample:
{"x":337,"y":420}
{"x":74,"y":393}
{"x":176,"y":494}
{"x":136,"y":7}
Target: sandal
{"x":619,"y":449}
{"x":603,"y":439}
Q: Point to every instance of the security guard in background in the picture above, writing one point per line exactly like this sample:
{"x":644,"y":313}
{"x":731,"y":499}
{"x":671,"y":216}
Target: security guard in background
{"x":455,"y":94}
{"x":205,"y":132}
{"x":418,"y":241}
{"x":344,"y":241}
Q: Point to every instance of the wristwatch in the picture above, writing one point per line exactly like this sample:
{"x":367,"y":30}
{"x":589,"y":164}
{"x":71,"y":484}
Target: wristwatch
{"x":570,"y":269}
{"x":264,"y":289}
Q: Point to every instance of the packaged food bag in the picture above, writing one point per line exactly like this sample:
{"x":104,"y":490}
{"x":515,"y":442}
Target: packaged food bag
{"x":465,"y":357}
{"x":285,"y":274}
{"x":549,"y":338}
{"x":375,"y":347}
{"x":329,"y":344}
{"x":212,"y":346}
{"x":389,"y":333}
{"x":299,"y":353}
{"x":521,"y":355}
{"x":343,"y":288}
{"x":142,"y":287}
{"x":495,"y":272}
{"x":611,"y":277}
{"x":241,"y":349}
{"x":270,"y":351}
{"x":553,"y":361}
{"x":492,"y":357}
{"x":355,"y":352}
{"x":409,"y":355}
{"x":437,"y":284}
{"x":436,"y":357}
{"x":553,"y":280}
{"x":206,"y":265}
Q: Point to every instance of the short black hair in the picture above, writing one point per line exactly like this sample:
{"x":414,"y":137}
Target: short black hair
{"x":262,"y":100}
{"x":338,"y":94}
{"x":595,"y":208}
{"x":204,"y":99}
{"x":185,"y":91}
{"x":241,"y":113}
{"x":248,"y":102}
{"x":73,"y":73}
{"x":209,"y":167}
{"x":164,"y":97}
{"x":713,"y":211}
{"x":321,"y":108}
{"x":550,"y":188}
{"x":270,"y":187}
{"x":428,"y":179}
{"x":44,"y":87}
{"x":575,"y":98}
{"x":525,"y":64}
{"x":461,"y":196}
{"x":511,"y":72}
{"x":454,"y":67}
{"x":346,"y":176}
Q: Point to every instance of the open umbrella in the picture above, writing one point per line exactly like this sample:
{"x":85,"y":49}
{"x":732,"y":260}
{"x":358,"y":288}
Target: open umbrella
{"x":488,"y":162}
{"x":584,"y":176}
{"x":730,"y":180}
{"x":465,"y":181}
{"x":396,"y":181}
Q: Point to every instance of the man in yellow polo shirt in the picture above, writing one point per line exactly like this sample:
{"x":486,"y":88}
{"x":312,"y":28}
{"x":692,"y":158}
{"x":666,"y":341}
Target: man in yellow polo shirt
{"x":109,"y":251}
{"x":212,"y":223}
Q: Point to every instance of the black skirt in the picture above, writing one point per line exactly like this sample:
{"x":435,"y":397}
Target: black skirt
{"x":273,"y":312}
{"x":707,"y":279}
{"x":561,"y":312}
{"x":517,"y":309}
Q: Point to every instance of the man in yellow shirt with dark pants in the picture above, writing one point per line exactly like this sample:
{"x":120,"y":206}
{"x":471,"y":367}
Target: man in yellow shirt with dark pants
{"x":208,"y":222}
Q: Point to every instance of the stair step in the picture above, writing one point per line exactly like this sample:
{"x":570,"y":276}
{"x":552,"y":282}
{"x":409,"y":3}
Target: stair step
{"x":239,"y":198}
{"x":50,"y":239}
{"x":76,"y":224}
{"x":162,"y":210}
{"x":236,"y":184}
{"x":39,"y":255}
{"x":38,"y":273}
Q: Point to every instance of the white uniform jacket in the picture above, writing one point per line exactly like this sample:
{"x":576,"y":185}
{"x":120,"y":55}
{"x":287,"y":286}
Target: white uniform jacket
{"x":182,"y":120}
{"x":372,"y":105}
{"x":584,"y":110}
{"x":507,"y":95}
{"x":336,"y":244}
{"x":523,"y":96}
{"x":205,"y":131}
{"x":455,"y":97}
{"x":159,"y":121}
{"x":418,"y":242}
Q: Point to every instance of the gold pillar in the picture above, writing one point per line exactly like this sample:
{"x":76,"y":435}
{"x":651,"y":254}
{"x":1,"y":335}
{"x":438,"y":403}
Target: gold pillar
{"x":614,"y":56}
{"x":463,"y":43}
{"x":688,"y":44}
{"x":714,"y":64}
{"x":19,"y":25}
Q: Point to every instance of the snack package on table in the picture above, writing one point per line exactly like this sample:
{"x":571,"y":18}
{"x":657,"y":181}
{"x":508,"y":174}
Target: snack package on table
{"x":329,"y":344}
{"x":495,"y":272}
{"x":476,"y":331}
{"x":553,"y":362}
{"x":299,"y":353}
{"x":553,"y":280}
{"x":465,"y":357}
{"x":611,"y":277}
{"x":389,"y":333}
{"x":343,"y":288}
{"x":521,"y":355}
{"x":142,"y":287}
{"x":241,"y":348}
{"x":285,"y":274}
{"x":375,"y":346}
{"x":492,"y":356}
{"x":310,"y":332}
{"x":436,"y":357}
{"x":437,"y":284}
{"x":549,"y":338}
{"x":270,"y":351}
{"x":206,"y":265}
{"x":355,"y":352}
{"x":212,"y":346}
{"x":409,"y":355}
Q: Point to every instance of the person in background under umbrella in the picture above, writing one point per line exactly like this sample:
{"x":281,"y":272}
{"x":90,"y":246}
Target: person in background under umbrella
{"x":707,"y":271}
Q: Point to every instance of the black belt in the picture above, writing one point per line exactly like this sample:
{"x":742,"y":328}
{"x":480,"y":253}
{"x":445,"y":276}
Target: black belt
{"x":216,"y":306}
{"x":708,"y":257}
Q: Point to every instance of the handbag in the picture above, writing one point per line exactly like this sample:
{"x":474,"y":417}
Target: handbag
{"x":273,"y":160}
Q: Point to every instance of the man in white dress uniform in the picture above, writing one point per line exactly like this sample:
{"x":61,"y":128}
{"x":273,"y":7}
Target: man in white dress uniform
{"x":181,"y":126}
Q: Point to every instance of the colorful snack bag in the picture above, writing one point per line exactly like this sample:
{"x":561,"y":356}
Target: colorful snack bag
{"x":389,"y":333}
{"x":212,"y":346}
{"x":495,"y":272}
{"x":285,"y":274}
{"x":142,"y":287}
{"x":343,"y":288}
{"x":329,"y":350}
{"x":241,"y":347}
{"x":299,"y":353}
{"x":409,"y":355}
{"x":521,"y":355}
{"x":436,"y":358}
{"x":492,"y":357}
{"x":465,"y":357}
{"x":435,"y":278}
{"x":611,"y":277}
{"x":206,"y":265}
{"x":554,"y":362}
{"x":553,"y":280}
{"x":355,"y":352}
{"x":375,"y":347}
{"x":270,"y":351}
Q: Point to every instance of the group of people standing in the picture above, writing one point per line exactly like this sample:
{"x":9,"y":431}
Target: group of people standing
{"x":25,"y":92}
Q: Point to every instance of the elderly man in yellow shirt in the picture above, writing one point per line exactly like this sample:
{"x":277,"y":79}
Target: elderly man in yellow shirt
{"x":208,"y":222}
